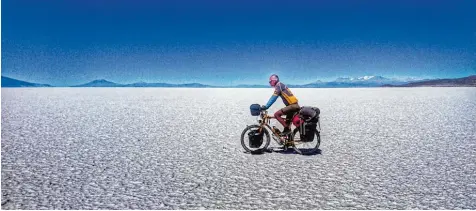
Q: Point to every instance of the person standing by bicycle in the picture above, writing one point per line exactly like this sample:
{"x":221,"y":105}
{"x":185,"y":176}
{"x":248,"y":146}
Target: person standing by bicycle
{"x":291,"y":102}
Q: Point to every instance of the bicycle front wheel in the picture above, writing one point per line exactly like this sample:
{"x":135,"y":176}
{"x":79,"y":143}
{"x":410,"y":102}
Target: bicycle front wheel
{"x":245,"y":141}
{"x":304,"y":146}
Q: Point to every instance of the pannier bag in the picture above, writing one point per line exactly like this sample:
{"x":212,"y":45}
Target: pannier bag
{"x":256,"y":138}
{"x":255,"y":109}
{"x":308,"y":125}
{"x":308,"y":131}
{"x":309,"y":113}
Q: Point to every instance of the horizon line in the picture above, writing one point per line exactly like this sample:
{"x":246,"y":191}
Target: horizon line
{"x":243,"y":84}
{"x":214,"y":86}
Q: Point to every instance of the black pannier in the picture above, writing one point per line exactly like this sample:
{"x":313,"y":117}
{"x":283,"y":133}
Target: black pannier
{"x":256,"y":138}
{"x":307,"y":113}
{"x":308,"y":132}
{"x":255,"y":109}
{"x":308,"y":129}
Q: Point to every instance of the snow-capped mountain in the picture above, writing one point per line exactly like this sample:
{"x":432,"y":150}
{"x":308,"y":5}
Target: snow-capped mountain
{"x":363,"y":79}
{"x":469,"y":81}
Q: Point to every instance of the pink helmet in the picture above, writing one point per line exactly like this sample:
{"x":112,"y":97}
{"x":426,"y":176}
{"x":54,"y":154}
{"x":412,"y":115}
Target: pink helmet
{"x":297,"y":121}
{"x":273,"y":80}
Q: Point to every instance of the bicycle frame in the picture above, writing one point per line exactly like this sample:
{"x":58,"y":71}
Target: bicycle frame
{"x":265,"y":121}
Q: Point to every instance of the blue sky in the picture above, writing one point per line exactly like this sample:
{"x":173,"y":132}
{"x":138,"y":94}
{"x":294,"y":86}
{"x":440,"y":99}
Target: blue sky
{"x":235,"y":42}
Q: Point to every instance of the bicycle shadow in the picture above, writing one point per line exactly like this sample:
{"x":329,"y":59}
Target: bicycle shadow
{"x":288,"y":151}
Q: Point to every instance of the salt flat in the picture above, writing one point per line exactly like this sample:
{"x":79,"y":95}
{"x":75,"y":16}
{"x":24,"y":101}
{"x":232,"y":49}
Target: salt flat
{"x":158,"y":148}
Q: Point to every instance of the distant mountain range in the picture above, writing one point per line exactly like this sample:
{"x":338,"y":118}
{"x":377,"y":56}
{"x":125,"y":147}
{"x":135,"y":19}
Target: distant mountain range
{"x":10,"y":82}
{"x":342,"y":82}
{"x":365,"y":81}
{"x":105,"y":83}
{"x":465,"y":81}
{"x":99,"y":83}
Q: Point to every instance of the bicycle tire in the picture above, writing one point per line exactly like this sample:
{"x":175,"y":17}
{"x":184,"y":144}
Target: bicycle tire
{"x":263,"y":146}
{"x":306,"y":151}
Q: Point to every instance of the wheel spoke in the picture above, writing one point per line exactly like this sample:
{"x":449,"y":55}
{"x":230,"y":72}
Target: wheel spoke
{"x":245,"y":141}
{"x":305,"y":147}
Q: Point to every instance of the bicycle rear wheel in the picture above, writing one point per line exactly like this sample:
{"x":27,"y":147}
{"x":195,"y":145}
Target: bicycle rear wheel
{"x":306,"y":147}
{"x":245,"y":142}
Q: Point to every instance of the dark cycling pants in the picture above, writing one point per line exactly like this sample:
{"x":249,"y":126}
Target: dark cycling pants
{"x":289,"y":111}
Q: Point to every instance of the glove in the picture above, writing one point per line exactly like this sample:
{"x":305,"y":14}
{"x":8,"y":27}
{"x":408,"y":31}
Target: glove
{"x":263,"y":107}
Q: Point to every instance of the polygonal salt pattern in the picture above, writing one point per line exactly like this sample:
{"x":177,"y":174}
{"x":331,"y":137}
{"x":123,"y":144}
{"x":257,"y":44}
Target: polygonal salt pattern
{"x":179,"y":148}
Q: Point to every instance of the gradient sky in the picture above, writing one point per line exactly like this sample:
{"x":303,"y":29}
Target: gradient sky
{"x":71,"y":42}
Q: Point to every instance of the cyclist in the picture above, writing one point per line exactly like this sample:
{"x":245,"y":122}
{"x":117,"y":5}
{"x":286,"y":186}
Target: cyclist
{"x":291,"y":102}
